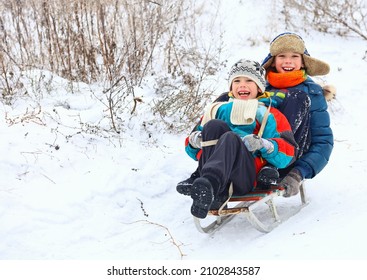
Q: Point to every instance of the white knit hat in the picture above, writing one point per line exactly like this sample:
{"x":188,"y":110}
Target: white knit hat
{"x":250,"y":69}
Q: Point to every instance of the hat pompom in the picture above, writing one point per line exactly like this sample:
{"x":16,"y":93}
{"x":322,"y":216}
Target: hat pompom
{"x":329,"y":92}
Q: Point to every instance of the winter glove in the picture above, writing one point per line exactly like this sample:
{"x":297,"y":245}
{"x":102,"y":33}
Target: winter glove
{"x":291,"y":183}
{"x":254,"y":142}
{"x":195,"y":139}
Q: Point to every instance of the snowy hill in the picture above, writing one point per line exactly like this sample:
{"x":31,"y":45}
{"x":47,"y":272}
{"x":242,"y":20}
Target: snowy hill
{"x":84,"y":196}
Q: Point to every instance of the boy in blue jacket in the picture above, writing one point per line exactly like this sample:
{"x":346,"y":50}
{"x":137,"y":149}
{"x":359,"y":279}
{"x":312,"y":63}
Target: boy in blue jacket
{"x":289,"y":66}
{"x":236,"y":138}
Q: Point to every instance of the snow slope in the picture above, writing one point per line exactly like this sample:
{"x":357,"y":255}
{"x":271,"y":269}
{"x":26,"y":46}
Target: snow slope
{"x":66,"y":195}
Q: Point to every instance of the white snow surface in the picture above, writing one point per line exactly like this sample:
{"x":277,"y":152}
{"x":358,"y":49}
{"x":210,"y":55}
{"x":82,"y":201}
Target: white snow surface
{"x":80,"y":196}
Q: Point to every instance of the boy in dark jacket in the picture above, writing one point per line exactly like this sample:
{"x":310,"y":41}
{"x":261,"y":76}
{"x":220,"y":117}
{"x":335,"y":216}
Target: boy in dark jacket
{"x":236,"y":138}
{"x":288,"y":66}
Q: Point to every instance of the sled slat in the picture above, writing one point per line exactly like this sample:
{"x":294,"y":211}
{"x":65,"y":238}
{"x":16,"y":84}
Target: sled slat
{"x":257,"y":194}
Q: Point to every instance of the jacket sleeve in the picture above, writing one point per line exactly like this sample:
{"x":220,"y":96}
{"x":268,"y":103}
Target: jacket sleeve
{"x":322,"y":140}
{"x":194,"y":153}
{"x":278,"y":131}
{"x":191,"y":151}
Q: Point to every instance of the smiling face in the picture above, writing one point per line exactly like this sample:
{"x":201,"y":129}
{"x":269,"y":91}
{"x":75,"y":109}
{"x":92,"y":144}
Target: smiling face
{"x":287,"y":62}
{"x":244,"y":88}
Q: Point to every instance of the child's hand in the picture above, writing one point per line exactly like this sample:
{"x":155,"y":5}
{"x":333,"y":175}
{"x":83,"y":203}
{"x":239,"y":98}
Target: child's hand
{"x":254,"y":143}
{"x":292,"y":183}
{"x":195,"y":139}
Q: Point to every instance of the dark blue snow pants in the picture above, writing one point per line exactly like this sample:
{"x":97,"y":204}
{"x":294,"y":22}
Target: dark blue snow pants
{"x":227,"y":161}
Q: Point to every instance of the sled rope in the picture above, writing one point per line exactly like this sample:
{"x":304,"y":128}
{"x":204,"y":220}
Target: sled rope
{"x":230,"y":193}
{"x":261,"y":130}
{"x":265,"y":119}
{"x":209,"y":143}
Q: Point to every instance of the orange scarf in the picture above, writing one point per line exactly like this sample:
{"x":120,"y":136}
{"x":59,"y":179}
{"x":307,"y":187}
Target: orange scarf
{"x":286,"y":80}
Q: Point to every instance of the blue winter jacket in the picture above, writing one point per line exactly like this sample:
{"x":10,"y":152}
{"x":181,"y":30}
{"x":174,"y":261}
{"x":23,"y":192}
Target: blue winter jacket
{"x":322,"y":141}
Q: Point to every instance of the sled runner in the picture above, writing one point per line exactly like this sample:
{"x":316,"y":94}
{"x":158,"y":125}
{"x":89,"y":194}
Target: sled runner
{"x":247,"y":205}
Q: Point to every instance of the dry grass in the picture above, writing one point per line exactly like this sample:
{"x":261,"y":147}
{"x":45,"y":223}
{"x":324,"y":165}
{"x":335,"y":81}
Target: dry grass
{"x":116,"y":42}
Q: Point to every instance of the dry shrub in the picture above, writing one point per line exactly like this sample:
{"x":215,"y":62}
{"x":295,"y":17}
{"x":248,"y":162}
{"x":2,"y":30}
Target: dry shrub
{"x":82,"y":40}
{"x":340,"y":17}
{"x":193,"y":57}
{"x":116,"y":42}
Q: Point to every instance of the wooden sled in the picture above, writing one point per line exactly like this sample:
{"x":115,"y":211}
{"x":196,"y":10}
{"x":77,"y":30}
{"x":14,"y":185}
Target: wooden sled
{"x":246,"y":206}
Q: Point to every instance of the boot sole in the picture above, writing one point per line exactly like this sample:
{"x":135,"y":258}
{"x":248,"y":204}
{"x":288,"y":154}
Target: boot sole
{"x":202,"y":195}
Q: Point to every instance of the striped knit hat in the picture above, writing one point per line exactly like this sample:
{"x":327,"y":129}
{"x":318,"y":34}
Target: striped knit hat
{"x":250,"y":69}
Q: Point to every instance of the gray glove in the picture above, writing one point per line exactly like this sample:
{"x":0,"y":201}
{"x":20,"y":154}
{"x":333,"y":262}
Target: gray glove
{"x":291,"y":183}
{"x":195,"y":139}
{"x":254,"y":142}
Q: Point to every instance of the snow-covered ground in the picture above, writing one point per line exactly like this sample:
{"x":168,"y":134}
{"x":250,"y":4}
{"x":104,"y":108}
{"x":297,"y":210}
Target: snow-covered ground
{"x":66,"y":195}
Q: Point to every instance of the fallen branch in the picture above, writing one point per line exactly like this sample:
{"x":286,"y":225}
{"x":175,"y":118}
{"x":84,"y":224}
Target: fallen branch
{"x":173,"y":241}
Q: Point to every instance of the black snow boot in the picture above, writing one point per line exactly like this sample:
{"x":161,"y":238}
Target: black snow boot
{"x":184,"y":187}
{"x":202,"y":196}
{"x":268,"y":176}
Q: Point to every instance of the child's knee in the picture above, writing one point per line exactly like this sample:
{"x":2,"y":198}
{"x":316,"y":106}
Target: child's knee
{"x":214,"y":128}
